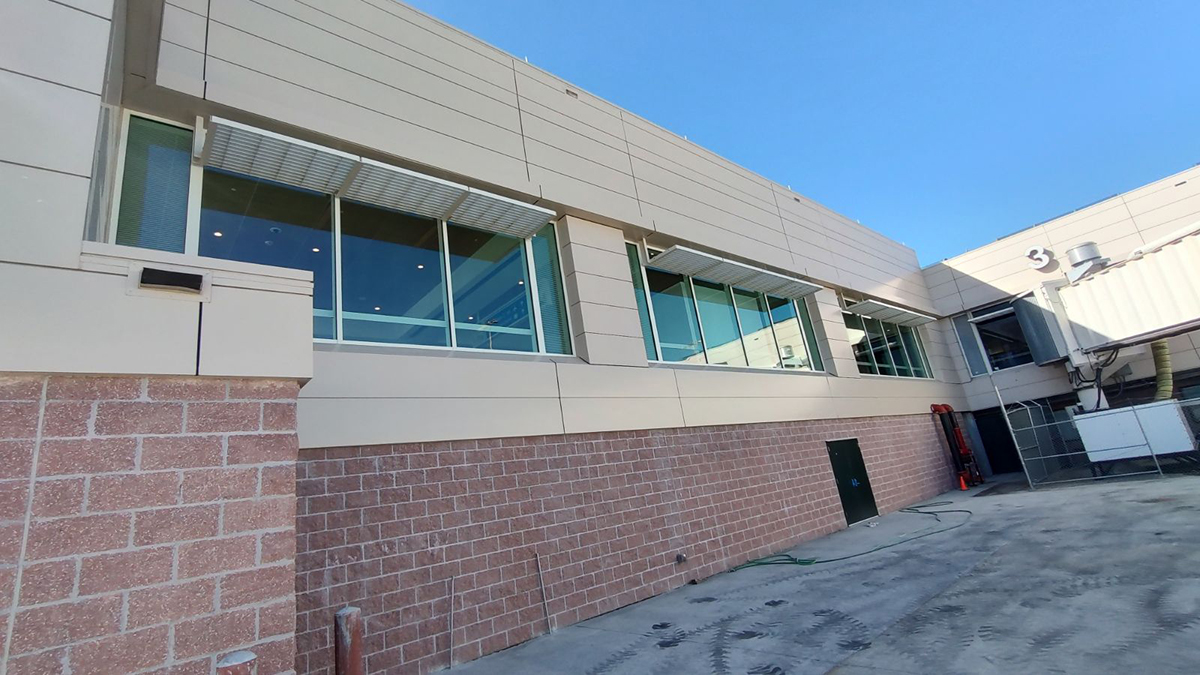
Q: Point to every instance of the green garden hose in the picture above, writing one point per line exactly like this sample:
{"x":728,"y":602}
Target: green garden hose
{"x":786,"y":559}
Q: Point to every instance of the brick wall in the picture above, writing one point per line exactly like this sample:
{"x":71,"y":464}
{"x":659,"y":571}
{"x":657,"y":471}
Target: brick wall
{"x":391,"y":528}
{"x":146,"y":524}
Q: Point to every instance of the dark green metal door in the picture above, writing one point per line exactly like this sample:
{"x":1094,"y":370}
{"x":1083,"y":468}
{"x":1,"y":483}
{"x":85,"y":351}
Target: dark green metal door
{"x":858,"y":502}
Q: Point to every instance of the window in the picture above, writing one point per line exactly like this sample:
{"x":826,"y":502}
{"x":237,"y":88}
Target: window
{"x":380,"y":274}
{"x":153,"y":205}
{"x":489,"y":280}
{"x":755,"y":322}
{"x":675,"y":316}
{"x":552,"y":300}
{"x":258,"y":221}
{"x":1000,"y":335}
{"x":639,"y":294}
{"x":883,"y":348}
{"x":694,"y":320}
{"x":720,"y":324}
{"x":392,"y":286}
{"x":793,"y":351}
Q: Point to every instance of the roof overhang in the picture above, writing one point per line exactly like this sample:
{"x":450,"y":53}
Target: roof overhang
{"x":890,"y":313}
{"x":244,"y":149}
{"x":693,"y":263}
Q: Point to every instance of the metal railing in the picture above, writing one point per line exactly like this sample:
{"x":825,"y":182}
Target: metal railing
{"x":1116,"y":442}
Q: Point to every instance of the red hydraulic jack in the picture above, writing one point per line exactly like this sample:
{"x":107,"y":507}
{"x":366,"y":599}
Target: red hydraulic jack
{"x":964,"y":459}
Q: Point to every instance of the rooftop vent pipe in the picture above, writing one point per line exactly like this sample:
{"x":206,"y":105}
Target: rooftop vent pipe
{"x":1085,"y":259}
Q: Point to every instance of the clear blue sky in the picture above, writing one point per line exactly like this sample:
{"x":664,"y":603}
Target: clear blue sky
{"x":944,"y":125}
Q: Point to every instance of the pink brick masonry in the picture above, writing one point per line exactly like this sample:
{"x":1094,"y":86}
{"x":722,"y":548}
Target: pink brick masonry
{"x":146,"y":524}
{"x":385,"y":527}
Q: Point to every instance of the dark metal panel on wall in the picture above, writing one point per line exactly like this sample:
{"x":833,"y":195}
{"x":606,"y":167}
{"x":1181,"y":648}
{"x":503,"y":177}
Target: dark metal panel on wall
{"x":854,"y":486}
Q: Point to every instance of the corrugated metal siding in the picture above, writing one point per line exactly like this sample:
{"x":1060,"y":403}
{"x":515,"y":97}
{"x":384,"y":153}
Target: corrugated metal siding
{"x":1159,"y":290}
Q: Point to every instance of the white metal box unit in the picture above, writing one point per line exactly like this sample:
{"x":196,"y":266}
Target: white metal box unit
{"x":1135,"y":431}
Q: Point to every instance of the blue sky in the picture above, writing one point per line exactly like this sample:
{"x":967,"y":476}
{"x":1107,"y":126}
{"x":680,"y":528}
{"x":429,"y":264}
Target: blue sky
{"x":944,"y":125}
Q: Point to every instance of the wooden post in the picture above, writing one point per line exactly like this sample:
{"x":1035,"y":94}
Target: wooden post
{"x":348,"y":639}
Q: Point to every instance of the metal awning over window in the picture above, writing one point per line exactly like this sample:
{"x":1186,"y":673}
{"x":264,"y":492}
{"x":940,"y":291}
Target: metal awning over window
{"x":890,"y":313}
{"x":263,"y":154}
{"x":244,"y":149}
{"x":693,"y":263}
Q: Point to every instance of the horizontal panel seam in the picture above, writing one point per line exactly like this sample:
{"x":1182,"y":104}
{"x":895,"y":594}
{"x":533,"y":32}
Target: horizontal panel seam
{"x":378,"y":112}
{"x":371,"y":79}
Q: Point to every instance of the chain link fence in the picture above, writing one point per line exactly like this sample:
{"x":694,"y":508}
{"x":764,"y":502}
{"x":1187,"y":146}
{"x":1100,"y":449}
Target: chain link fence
{"x":1065,"y":446}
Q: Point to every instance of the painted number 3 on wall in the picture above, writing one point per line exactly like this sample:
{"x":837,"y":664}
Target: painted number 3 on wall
{"x":1038,"y":256}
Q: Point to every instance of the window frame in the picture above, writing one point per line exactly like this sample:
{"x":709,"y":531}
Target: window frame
{"x":995,"y":314}
{"x":920,"y":341}
{"x":644,"y":255}
{"x":191,"y":232}
{"x":192,"y":248}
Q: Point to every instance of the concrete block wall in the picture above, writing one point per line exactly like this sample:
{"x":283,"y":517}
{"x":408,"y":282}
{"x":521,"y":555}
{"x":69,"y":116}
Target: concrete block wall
{"x":146,"y":523}
{"x":391,"y":528}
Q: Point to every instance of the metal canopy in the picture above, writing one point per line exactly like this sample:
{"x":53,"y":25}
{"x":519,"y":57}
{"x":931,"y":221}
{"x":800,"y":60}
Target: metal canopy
{"x":494,"y":213}
{"x":404,"y":190}
{"x":255,"y":152}
{"x":693,"y":263}
{"x":243,"y":149}
{"x":891,"y":313}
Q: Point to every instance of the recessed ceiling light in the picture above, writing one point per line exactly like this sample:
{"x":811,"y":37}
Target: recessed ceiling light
{"x":521,"y":282}
{"x":376,"y":309}
{"x":420,"y":267}
{"x":316,"y":250}
{"x":218,"y":234}
{"x":470,"y":318}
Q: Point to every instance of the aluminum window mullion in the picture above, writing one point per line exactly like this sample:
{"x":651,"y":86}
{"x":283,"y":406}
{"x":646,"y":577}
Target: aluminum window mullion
{"x":191,"y":231}
{"x":803,"y":333}
{"x":447,"y":282}
{"x":539,"y":340}
{"x":650,"y":306}
{"x":562,"y":280}
{"x":699,"y":321}
{"x":774,"y":336}
{"x":337,"y":268}
{"x":916,"y":331}
{"x":738,"y":320}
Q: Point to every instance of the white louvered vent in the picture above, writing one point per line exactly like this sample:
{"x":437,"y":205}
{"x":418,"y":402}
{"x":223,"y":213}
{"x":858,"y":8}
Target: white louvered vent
{"x":686,"y":261}
{"x":885,"y":312}
{"x":494,"y":213}
{"x":255,"y":152}
{"x":404,"y":190}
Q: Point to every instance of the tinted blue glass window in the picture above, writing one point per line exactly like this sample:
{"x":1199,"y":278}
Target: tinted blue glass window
{"x":719,"y":323}
{"x":488,"y":275}
{"x":392,"y":289}
{"x":757,"y":334}
{"x":675,"y":316}
{"x":551,"y":300}
{"x":154,"y":186}
{"x":259,"y":221}
{"x":639,"y":295}
{"x":793,"y":351}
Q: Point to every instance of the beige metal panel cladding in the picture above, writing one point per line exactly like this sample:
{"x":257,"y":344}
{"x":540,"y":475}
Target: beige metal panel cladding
{"x":1154,"y":292}
{"x":413,"y":373}
{"x":36,"y":36}
{"x":380,"y":75}
{"x":180,"y":69}
{"x":254,"y":333}
{"x":72,"y":321}
{"x":334,"y":422}
{"x":47,"y":125}
{"x":369,"y":119}
{"x":43,"y":215}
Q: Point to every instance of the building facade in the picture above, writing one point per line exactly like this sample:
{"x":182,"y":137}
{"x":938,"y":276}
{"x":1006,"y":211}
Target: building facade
{"x":315,"y":305}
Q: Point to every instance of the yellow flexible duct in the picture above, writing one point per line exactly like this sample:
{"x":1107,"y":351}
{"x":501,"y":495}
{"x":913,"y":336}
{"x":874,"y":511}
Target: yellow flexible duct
{"x":1163,"y":376}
